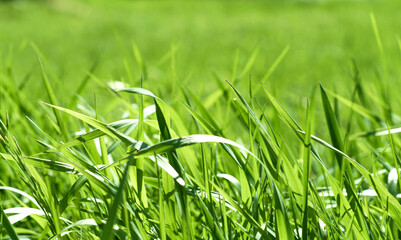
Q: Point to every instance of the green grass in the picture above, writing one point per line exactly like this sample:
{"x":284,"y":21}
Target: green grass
{"x":185,"y":120}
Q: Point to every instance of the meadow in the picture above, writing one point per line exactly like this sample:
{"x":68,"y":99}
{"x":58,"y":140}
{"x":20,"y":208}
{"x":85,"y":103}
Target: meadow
{"x":200,"y":119}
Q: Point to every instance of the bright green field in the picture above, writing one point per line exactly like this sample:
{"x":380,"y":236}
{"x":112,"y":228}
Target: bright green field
{"x":323,"y":38}
{"x":159,"y":127}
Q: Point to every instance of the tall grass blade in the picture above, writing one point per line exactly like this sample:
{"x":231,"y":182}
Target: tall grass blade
{"x":273,"y":67}
{"x":52,"y":98}
{"x":306,"y":173}
{"x":113,"y":212}
{"x":332,"y":125}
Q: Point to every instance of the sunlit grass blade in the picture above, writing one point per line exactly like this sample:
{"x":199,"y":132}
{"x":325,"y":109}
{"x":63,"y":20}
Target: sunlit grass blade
{"x":376,"y":133}
{"x":141,"y":91}
{"x":283,"y":226}
{"x":272,"y":67}
{"x":356,"y":107}
{"x":95,"y":134}
{"x":249,"y":63}
{"x":5,"y":223}
{"x":74,"y":189}
{"x":53,"y":100}
{"x":306,"y":172}
{"x":43,"y":163}
{"x":165,"y":135}
{"x":139,"y":58}
{"x":175,"y":143}
{"x":82,"y":86}
{"x":113,"y":211}
{"x":395,"y":156}
{"x":332,"y":125}
{"x":379,"y":44}
{"x":97,"y":124}
{"x":215,"y":229}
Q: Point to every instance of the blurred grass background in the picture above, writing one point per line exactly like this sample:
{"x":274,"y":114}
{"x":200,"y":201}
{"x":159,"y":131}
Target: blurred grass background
{"x":323,"y":37}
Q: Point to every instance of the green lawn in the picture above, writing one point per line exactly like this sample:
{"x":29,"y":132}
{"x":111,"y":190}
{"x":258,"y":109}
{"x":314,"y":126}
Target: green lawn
{"x":193,"y":146}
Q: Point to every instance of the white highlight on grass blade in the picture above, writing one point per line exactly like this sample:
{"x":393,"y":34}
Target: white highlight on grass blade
{"x":20,"y":192}
{"x":366,"y":193}
{"x":377,"y":133}
{"x":117,"y":125}
{"x":94,"y":175}
{"x":116,"y":85}
{"x":392,"y":181}
{"x":175,"y":143}
{"x":96,"y":200}
{"x":217,"y":197}
{"x":385,"y":132}
{"x":190,"y":140}
{"x":141,"y":91}
{"x":64,"y":234}
{"x":24,"y":210}
{"x":21,"y":213}
{"x":17,"y":217}
{"x":149,"y":111}
{"x":231,"y":179}
{"x":80,"y":223}
{"x":163,"y":163}
{"x":240,"y":142}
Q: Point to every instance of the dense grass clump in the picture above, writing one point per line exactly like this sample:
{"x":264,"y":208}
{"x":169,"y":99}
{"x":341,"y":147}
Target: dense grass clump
{"x":140,"y":157}
{"x":162,"y":172}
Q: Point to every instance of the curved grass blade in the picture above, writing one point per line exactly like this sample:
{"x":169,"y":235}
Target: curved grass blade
{"x":175,"y":143}
{"x":5,"y":223}
{"x":21,"y":213}
{"x":140,"y":91}
{"x":80,"y":223}
{"x":21,"y":193}
{"x":112,"y":132}
{"x":231,"y":179}
{"x":43,"y":163}
{"x":376,"y":133}
{"x":95,"y":134}
{"x":162,"y":162}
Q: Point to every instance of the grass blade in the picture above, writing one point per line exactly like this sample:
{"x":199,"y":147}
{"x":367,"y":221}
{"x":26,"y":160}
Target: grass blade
{"x":5,"y":223}
{"x":113,"y":212}
{"x":332,"y":125}
{"x":53,"y":100}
